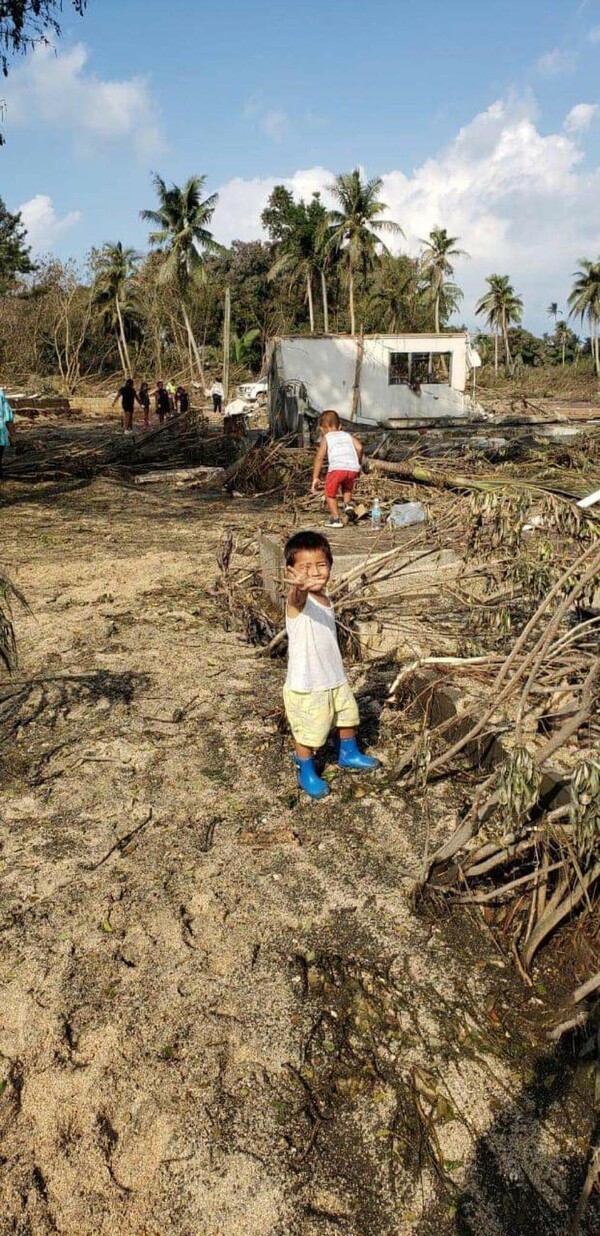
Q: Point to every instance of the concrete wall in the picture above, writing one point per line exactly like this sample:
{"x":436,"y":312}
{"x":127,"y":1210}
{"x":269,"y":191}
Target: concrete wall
{"x":327,"y":367}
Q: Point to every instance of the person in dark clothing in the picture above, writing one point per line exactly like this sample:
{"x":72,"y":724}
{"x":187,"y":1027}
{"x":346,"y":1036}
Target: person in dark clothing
{"x":144,"y":398}
{"x":128,"y":396}
{"x":217,"y":391}
{"x":182,"y":400}
{"x":163,"y":402}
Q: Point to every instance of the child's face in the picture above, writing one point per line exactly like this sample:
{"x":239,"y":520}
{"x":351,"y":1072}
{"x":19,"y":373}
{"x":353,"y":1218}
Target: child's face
{"x":311,"y":569}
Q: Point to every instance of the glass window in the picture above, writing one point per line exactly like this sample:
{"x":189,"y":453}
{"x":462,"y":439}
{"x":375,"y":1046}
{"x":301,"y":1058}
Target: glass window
{"x":398,"y":371}
{"x":441,"y":367}
{"x":419,"y":368}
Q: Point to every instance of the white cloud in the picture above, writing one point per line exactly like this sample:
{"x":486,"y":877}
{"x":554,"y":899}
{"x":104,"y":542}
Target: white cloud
{"x":580,"y":117}
{"x":594,"y":35}
{"x":57,"y":89}
{"x":42,"y":224}
{"x":274,"y":123}
{"x":557,"y":61}
{"x":241,"y":202}
{"x":518,"y":199}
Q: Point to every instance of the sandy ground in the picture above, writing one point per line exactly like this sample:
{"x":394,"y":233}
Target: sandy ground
{"x":220,"y":1014}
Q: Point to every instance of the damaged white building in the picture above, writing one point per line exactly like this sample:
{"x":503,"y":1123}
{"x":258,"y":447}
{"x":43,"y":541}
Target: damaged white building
{"x":387,"y":380}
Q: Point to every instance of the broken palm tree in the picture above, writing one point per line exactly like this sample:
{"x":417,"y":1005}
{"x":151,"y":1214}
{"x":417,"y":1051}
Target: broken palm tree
{"x":9,"y":593}
{"x":542,"y":698}
{"x":181,"y":441}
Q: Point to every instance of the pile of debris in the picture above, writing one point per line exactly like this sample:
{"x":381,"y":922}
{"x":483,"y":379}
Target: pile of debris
{"x":87,"y":451}
{"x":487,"y":614}
{"x":33,"y":406}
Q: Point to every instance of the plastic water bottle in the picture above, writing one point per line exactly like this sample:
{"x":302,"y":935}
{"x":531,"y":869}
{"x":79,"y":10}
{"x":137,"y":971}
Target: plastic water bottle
{"x":376,"y":515}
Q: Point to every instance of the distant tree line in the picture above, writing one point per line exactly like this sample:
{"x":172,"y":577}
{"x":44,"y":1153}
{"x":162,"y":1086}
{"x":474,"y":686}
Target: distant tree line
{"x":319,"y":270}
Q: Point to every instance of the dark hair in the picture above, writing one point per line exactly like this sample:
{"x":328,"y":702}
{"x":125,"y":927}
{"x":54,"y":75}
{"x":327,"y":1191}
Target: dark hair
{"x":129,"y":382}
{"x":306,"y":540}
{"x":330,"y":418}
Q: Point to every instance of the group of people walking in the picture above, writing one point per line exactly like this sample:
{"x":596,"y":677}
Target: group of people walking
{"x":169,"y":400}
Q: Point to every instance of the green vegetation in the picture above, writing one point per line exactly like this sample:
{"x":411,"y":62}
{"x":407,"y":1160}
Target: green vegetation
{"x":437,"y":269}
{"x":501,"y":308}
{"x":183,"y":240}
{"x":14,"y":252}
{"x":354,"y":229}
{"x":161,"y":313}
{"x":115,"y":268}
{"x":585,"y":302}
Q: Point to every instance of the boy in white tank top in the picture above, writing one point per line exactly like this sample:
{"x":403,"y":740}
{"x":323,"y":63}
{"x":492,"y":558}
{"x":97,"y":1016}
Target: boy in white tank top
{"x":344,"y":455}
{"x":316,"y":692}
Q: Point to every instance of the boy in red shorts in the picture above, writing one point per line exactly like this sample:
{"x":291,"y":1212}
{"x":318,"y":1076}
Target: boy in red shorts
{"x":344,"y":455}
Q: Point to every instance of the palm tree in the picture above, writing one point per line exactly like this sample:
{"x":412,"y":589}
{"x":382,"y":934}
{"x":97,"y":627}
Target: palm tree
{"x":451,"y":297}
{"x":327,"y":255}
{"x":553,"y":312}
{"x":436,"y":265}
{"x":300,"y":253}
{"x":561,"y":335}
{"x":354,"y":228}
{"x":390,"y":300}
{"x":501,"y":306}
{"x":182,"y":237}
{"x":115,"y":267}
{"x":585,"y":302}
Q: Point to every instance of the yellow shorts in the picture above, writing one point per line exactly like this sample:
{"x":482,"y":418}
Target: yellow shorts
{"x":311,"y":714}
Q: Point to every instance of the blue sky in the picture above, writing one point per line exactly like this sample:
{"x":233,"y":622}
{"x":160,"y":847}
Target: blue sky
{"x":481,"y":118}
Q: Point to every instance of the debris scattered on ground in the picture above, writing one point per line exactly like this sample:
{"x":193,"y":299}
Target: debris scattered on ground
{"x":378,"y":1016}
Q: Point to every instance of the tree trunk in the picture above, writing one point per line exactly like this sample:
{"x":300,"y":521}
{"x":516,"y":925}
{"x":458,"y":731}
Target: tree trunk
{"x":226,"y":344}
{"x":127,"y":365}
{"x":496,"y":352}
{"x":506,"y":347}
{"x":311,"y":308}
{"x":437,"y":311}
{"x":121,"y":357}
{"x":325,"y":303}
{"x":351,"y":290}
{"x":193,"y":344}
{"x":563,"y":352}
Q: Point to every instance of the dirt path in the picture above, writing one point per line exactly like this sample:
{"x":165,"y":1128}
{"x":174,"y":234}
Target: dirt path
{"x":219,"y":1013}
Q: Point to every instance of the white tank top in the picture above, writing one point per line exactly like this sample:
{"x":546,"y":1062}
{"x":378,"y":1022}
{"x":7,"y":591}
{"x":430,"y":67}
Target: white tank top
{"x":314,"y":658}
{"x":341,"y":452}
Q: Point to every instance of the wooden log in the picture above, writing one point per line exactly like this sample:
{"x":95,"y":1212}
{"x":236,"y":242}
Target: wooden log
{"x":444,"y":480}
{"x":199,"y":478}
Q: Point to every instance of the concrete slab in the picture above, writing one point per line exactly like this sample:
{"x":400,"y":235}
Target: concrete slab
{"x":442,"y":702}
{"x":359,"y":545}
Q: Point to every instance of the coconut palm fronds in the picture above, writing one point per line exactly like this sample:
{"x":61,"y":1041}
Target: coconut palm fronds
{"x":8,"y":646}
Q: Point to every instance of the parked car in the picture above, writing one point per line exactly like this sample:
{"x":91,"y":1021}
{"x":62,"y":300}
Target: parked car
{"x":253,"y":391}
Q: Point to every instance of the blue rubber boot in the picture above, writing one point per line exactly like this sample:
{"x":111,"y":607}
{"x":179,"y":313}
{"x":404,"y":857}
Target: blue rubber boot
{"x":309,"y":779}
{"x":350,"y":757}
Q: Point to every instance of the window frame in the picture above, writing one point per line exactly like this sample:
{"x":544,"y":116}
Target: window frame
{"x":408,"y":379}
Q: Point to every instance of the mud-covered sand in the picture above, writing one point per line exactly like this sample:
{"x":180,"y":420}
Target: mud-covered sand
{"x":219,"y":1013}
